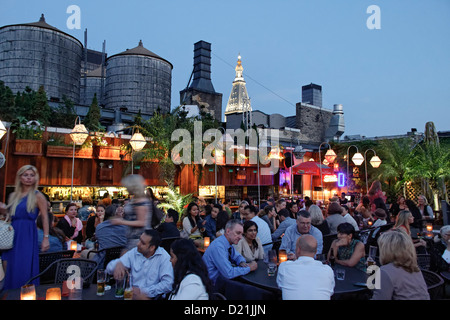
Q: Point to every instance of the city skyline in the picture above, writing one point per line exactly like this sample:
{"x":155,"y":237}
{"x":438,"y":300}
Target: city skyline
{"x":388,"y":80}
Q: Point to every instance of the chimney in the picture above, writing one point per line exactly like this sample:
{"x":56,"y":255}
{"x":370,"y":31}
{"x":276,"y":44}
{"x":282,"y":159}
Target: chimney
{"x":202,"y":67}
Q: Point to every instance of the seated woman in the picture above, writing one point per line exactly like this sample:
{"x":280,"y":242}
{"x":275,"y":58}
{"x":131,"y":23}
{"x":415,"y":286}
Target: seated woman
{"x":398,"y":206}
{"x":400,"y":277}
{"x":317,"y":219}
{"x":402,"y":222}
{"x":71,"y":225}
{"x":268,"y":214}
{"x":193,"y":225}
{"x":250,"y":246}
{"x":191,"y":280}
{"x":55,"y":236}
{"x":347,"y":250}
{"x":94,"y":221}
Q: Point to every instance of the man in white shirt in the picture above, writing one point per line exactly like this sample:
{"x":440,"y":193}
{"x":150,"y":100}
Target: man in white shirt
{"x":149,"y":266}
{"x":305,"y":278}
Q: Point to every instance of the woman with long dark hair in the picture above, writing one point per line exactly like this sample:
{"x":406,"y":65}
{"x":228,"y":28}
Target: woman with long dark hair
{"x":191,"y":223}
{"x":250,"y":246}
{"x":191,"y":281}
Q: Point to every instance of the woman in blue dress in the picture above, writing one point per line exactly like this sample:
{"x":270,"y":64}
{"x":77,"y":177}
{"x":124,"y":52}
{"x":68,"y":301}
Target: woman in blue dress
{"x":25,"y":204}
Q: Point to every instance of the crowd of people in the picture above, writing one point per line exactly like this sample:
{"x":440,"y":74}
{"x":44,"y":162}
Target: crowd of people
{"x":238,"y":240}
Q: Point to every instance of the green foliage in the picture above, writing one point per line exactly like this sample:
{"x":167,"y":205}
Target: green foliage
{"x":7,"y":103}
{"x":92,"y":119}
{"x":25,"y":131}
{"x":175,"y":201}
{"x":64,"y":116}
{"x":40,"y":110}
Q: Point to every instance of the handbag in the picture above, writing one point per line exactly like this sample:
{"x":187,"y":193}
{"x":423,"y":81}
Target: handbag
{"x":6,"y":235}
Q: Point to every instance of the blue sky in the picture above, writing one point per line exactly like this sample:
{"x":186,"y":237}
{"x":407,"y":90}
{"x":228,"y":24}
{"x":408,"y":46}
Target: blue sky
{"x":388,"y":80}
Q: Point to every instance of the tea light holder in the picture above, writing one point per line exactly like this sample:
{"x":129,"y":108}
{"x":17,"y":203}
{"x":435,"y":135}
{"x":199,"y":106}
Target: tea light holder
{"x":283,"y":257}
{"x":53,"y":294}
{"x":73,"y":245}
{"x":206,"y":242}
{"x":28,"y":292}
{"x":429,"y":227}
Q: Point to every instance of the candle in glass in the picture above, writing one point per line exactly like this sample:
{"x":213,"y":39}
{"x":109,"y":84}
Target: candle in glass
{"x":283,"y":257}
{"x":28,"y":292}
{"x":53,"y":294}
{"x":73,"y":245}
{"x":206,"y":242}
{"x":429,"y":227}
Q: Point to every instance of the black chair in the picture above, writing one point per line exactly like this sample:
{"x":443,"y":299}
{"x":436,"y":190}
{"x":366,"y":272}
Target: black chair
{"x":109,"y":255}
{"x":46,"y":258}
{"x":327,"y":241}
{"x":424,"y":261}
{"x":435,"y":284}
{"x":236,"y":290}
{"x":275,"y":245}
{"x":217,"y":296}
{"x":87,"y":270}
{"x":167,"y":242}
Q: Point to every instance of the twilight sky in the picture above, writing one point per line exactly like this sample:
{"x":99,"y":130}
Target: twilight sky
{"x":389,"y":80}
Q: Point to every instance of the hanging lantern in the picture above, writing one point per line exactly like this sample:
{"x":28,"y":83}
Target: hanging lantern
{"x":375,"y":161}
{"x":330,"y":156}
{"x":358,"y":159}
{"x":79,"y":133}
{"x":2,"y":130}
{"x":137,"y":141}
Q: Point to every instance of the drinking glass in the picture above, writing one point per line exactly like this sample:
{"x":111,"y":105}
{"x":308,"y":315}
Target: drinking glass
{"x":120,"y":288}
{"x":373,"y":251}
{"x":101,"y":280}
{"x":128,"y":292}
{"x":340,"y":274}
{"x":271,"y":269}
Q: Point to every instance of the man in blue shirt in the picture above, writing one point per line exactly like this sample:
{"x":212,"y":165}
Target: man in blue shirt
{"x":303,"y":226}
{"x":149,"y":266}
{"x":221,"y":255}
{"x":286,"y":222}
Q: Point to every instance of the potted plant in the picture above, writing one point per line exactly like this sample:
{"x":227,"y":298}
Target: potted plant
{"x":56,"y":147}
{"x":28,"y":137}
{"x":102,"y":150}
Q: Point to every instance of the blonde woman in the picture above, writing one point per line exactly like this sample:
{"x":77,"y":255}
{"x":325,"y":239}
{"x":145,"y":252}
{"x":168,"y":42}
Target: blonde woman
{"x":400,"y":276}
{"x":402,"y":223}
{"x":425,"y":210}
{"x":137,"y":212}
{"x":25,"y":204}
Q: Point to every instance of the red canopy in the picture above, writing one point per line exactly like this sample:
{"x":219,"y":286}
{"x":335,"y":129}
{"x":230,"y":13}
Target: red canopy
{"x":311,"y":168}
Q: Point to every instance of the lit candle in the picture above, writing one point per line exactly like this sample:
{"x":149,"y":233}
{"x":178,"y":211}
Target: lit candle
{"x":370,"y":222}
{"x":429,"y":227}
{"x":283,"y":257}
{"x":53,"y":294}
{"x":73,"y":245}
{"x":28,"y":292}
{"x":206,"y":242}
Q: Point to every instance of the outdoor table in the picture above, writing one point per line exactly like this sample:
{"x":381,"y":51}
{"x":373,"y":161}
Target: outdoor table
{"x":259,"y":278}
{"x":87,"y":294}
{"x":446,"y":275}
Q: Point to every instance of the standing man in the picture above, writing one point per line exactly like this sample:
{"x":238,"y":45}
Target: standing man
{"x":305,"y":278}
{"x":221,"y":255}
{"x":264,"y":234}
{"x":302,"y":227}
{"x":149,"y":266}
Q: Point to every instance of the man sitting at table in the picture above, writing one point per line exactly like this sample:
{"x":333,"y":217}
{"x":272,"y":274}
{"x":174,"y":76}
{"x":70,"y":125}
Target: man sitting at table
{"x":302,"y":227}
{"x":220,"y":256}
{"x":149,"y":266}
{"x":305,"y":278}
